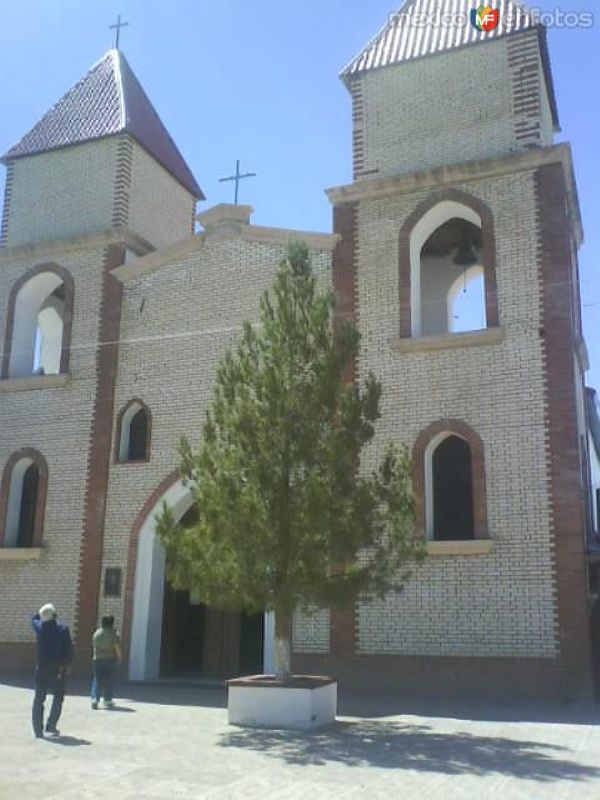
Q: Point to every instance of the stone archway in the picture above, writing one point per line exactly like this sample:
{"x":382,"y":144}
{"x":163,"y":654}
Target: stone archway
{"x":146,"y":582}
{"x":148,"y":589}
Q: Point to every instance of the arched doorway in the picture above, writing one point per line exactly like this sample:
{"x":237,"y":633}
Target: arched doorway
{"x":172,"y":634}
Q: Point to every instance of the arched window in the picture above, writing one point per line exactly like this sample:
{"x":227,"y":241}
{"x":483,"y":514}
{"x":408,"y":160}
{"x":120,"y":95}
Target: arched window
{"x":449,"y":260}
{"x":23,"y":499}
{"x":447,"y":267}
{"x":38,"y":331}
{"x":133,"y":431}
{"x":449,"y":479}
{"x":450,"y":489}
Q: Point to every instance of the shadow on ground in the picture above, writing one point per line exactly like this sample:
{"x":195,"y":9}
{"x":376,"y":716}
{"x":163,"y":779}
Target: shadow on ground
{"x":413,"y":747}
{"x":67,"y":741}
{"x":368,"y":705}
{"x":371,"y":705}
{"x":169,"y":693}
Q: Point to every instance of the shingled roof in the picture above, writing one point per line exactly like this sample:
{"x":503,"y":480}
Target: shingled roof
{"x":109,"y":100}
{"x":415,"y":31}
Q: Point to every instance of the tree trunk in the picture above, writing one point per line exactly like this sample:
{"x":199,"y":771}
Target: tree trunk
{"x":283,"y":658}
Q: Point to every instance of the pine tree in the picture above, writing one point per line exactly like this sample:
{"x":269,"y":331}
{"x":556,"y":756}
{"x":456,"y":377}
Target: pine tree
{"x":286,"y":518}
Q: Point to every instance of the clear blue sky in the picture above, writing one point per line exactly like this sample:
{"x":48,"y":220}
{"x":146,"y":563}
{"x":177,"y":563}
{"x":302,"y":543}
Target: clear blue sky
{"x":258,"y":81}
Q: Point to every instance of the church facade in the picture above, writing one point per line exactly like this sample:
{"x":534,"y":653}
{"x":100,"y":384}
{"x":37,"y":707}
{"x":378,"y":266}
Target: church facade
{"x":454,"y":250}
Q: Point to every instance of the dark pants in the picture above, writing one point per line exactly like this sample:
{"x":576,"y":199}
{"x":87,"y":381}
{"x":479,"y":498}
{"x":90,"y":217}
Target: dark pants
{"x":49,"y":679}
{"x":104,"y":679}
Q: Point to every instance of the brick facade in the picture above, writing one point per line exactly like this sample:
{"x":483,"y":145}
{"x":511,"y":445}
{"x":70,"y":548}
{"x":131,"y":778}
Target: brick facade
{"x":512,"y":616}
{"x":469,"y":104}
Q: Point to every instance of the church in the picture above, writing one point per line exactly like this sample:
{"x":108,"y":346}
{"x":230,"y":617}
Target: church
{"x":453,"y":250}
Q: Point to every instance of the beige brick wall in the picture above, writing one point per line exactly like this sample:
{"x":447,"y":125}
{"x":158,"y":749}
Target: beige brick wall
{"x":436,"y":111}
{"x":62,"y":193}
{"x":311,"y":631}
{"x":192,"y":311}
{"x":501,"y":604}
{"x":160,"y":209}
{"x":57,"y":423}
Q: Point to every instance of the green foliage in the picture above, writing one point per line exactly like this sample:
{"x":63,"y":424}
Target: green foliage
{"x":285,"y":517}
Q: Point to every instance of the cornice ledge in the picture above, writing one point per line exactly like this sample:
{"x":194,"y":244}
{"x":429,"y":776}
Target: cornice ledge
{"x":472,"y":547}
{"x":20,"y":553}
{"x":34,"y":382}
{"x":158,"y":258}
{"x":265,"y":235}
{"x":447,"y":341}
{"x":43,"y":250}
{"x":449,"y":175}
{"x":248,"y":233}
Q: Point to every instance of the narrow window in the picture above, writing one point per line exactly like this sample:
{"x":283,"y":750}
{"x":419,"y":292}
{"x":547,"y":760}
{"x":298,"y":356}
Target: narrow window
{"x":452,"y":489}
{"x":23,"y":515}
{"x":134,"y":433}
{"x":112,"y":582}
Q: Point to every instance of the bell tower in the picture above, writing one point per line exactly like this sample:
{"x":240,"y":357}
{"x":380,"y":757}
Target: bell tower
{"x":97,"y":181}
{"x":100,"y":158}
{"x":458,"y":263}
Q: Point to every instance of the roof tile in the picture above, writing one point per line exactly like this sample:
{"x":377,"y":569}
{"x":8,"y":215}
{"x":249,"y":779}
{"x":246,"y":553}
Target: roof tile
{"x":108,"y":100}
{"x":426,"y":27}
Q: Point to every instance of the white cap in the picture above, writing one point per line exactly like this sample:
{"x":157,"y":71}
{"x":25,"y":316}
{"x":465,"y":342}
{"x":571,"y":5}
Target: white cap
{"x":47,"y":612}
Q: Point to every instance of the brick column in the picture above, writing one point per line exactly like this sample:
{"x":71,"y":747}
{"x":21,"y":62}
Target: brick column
{"x":563,"y":445}
{"x":343,"y":621}
{"x":99,"y":456}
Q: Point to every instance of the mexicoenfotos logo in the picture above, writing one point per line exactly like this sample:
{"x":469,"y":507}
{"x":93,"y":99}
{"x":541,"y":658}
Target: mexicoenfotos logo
{"x":485,"y":18}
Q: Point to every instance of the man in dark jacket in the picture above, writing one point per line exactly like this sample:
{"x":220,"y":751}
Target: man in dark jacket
{"x":54,"y":654}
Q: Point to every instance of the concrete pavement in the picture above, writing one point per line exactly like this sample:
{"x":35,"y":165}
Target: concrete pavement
{"x":174,"y":743}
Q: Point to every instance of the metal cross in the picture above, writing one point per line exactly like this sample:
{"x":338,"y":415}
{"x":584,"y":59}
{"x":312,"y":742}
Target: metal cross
{"x":118,"y":27}
{"x":237,"y":178}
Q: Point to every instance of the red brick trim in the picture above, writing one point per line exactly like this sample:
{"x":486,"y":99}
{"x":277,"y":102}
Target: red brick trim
{"x":8,"y":185}
{"x":563,"y":457}
{"x":344,"y":270}
{"x":459,"y":428}
{"x":117,"y":445}
{"x":40,"y":509}
{"x":90,"y":568}
{"x":504,"y":679}
{"x":343,"y":621}
{"x":17,"y":658}
{"x":67,"y":280}
{"x":193,"y":218}
{"x":358,"y":133}
{"x":525,"y":75}
{"x":489,"y":254}
{"x":120,"y":217}
{"x":132,"y":552}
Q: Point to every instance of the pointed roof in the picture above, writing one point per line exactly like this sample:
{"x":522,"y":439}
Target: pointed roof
{"x":107,"y":101}
{"x":416,"y":30}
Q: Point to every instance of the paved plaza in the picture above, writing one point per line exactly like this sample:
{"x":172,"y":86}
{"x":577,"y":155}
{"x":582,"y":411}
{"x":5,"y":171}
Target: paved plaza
{"x":172,"y":742}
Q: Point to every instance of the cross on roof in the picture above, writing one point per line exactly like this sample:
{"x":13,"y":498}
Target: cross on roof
{"x":118,"y":25}
{"x":237,"y":178}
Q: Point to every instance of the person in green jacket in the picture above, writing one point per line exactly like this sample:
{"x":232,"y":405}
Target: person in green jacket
{"x":106,"y":645}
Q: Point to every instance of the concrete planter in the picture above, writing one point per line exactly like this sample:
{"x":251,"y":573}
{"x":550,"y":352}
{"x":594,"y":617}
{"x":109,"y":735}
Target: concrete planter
{"x":260,"y":701}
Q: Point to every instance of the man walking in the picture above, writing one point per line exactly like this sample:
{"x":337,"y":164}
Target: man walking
{"x":54,"y":654}
{"x":106,"y":645}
